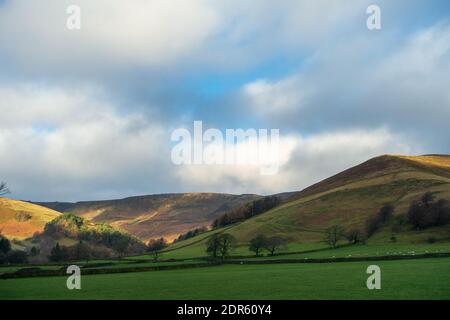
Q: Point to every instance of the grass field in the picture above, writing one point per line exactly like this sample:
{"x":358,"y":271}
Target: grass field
{"x":412,"y":279}
{"x":373,"y":250}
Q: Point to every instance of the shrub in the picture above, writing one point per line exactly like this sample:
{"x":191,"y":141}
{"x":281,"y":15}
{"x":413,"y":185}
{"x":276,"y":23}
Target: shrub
{"x":427,"y":213}
{"x":22,"y":216}
{"x":373,"y":224}
{"x":17,"y":257}
{"x":5,"y":245}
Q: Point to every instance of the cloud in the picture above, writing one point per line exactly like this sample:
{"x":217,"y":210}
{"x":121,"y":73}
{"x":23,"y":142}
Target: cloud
{"x":88,"y":114}
{"x":272,"y":98}
{"x":117,"y":36}
{"x":401,"y":88}
{"x":303,"y":160}
{"x":60,"y":144}
{"x":114,"y":34}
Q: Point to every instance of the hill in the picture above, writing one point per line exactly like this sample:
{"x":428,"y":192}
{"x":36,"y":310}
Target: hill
{"x":351,"y":197}
{"x":154,"y":216}
{"x":20,"y":220}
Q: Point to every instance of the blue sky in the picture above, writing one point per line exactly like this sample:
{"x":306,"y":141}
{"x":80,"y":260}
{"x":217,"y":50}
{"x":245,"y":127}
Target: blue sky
{"x":87,"y":114}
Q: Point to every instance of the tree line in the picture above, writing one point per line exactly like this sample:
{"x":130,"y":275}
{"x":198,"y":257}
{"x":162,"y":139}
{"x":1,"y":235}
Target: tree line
{"x":220,"y":245}
{"x":247,"y":211}
{"x":423,"y":213}
{"x":191,"y":234}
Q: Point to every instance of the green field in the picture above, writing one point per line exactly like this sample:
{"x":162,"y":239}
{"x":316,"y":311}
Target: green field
{"x":412,"y":279}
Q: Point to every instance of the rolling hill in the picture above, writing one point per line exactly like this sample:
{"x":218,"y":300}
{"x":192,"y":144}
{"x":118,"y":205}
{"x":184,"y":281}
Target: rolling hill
{"x":351,"y":197}
{"x":20,"y":220}
{"x":154,"y":216}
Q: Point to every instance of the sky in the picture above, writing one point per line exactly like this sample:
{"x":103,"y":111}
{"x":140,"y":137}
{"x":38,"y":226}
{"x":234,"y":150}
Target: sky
{"x":88,"y":114}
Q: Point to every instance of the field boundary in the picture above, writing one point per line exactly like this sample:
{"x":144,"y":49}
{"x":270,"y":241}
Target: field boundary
{"x":34,"y":272}
{"x":62,"y":272}
{"x":341,"y":259}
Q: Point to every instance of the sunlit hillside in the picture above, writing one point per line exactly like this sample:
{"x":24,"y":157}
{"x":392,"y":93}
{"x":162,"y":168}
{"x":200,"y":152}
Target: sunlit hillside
{"x":20,"y":220}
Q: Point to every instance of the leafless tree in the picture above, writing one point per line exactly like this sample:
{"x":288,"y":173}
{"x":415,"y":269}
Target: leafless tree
{"x":333,"y":235}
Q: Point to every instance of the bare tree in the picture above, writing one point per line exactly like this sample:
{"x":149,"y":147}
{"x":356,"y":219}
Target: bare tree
{"x":354,"y":236}
{"x":227,"y":244}
{"x":275,"y":243}
{"x":220,"y":245}
{"x":258,"y":243}
{"x":212,"y":245}
{"x":333,"y":234}
{"x":155,"y":246}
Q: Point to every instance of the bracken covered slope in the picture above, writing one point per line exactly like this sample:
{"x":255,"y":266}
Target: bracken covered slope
{"x":350,"y":197}
{"x":153,"y":216}
{"x":20,"y":220}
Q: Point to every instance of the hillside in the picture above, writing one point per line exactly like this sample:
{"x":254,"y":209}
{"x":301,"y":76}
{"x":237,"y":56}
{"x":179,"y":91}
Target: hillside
{"x":20,"y":220}
{"x":153,"y":216}
{"x":352,"y":196}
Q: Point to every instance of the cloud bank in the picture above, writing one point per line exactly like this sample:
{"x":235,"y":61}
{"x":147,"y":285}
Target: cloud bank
{"x":88,"y":114}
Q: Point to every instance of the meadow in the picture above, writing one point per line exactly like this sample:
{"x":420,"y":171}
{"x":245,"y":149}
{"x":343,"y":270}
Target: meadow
{"x":411,"y":279}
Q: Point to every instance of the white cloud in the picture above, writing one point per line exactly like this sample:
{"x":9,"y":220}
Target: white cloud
{"x":303,"y":161}
{"x":114,"y":34}
{"x":272,"y":98}
{"x":58,"y":144}
{"x":117,"y":35}
{"x":55,"y":142}
{"x":403,"y":88}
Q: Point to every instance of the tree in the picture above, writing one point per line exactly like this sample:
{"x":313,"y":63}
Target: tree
{"x":333,"y":234}
{"x":3,"y":188}
{"x":34,"y":251}
{"x":372,"y":225}
{"x":220,"y":245}
{"x":275,"y":243}
{"x":441,"y":213}
{"x":427,"y":199}
{"x":354,"y":236}
{"x":17,"y":257}
{"x":155,"y":246}
{"x":191,"y":234}
{"x":417,"y":215}
{"x":5,"y":245}
{"x":226,"y":244}
{"x":58,"y":253}
{"x":382,"y":217}
{"x":212,"y":245}
{"x":386,"y":212}
{"x":120,"y":245}
{"x":82,"y":251}
{"x":247,"y":211}
{"x":258,"y":243}
{"x":426,"y":212}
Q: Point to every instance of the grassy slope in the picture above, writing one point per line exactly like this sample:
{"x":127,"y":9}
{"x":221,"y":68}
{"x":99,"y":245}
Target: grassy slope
{"x":413,"y":279}
{"x":348,"y":199}
{"x":154,"y":216}
{"x":351,"y":197}
{"x":14,"y":229}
